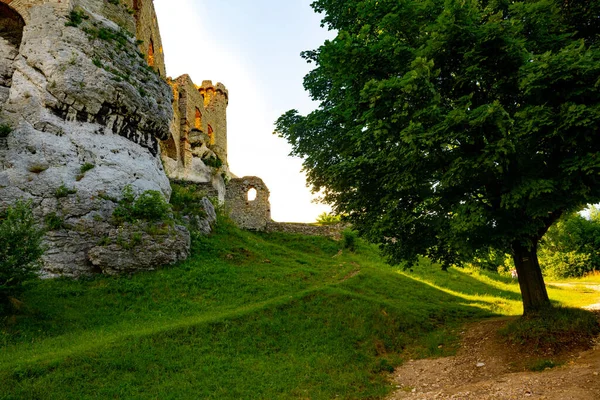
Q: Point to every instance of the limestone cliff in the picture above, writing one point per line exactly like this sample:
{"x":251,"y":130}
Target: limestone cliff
{"x":86,"y":114}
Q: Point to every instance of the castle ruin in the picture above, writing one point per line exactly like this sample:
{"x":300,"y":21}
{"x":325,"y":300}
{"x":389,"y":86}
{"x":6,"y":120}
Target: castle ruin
{"x":87,"y":110}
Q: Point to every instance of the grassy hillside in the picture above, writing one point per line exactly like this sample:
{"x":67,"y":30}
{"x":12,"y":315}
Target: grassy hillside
{"x":249,"y":316}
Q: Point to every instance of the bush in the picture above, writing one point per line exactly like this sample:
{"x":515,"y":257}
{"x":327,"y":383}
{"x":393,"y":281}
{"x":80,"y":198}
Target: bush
{"x":21,"y":249}
{"x":571,"y":247}
{"x":149,"y":206}
{"x":349,"y":237}
{"x":187,"y":200}
{"x":563,"y":264}
{"x":5,"y":130}
{"x":328,"y":219}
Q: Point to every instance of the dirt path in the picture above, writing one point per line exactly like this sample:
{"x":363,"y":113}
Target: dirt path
{"x":486,"y":367}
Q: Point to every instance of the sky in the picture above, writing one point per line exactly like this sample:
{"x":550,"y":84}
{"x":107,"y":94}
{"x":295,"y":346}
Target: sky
{"x":253,"y":48}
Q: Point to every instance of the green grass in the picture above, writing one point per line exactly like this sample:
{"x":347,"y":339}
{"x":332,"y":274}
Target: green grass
{"x":249,"y":316}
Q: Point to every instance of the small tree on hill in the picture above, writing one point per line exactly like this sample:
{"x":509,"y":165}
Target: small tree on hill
{"x":447,"y":127}
{"x":20,"y":249}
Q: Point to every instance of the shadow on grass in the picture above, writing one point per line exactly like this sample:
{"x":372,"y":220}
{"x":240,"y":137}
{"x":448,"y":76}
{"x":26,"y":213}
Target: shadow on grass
{"x":470,"y":282}
{"x":217,"y":327}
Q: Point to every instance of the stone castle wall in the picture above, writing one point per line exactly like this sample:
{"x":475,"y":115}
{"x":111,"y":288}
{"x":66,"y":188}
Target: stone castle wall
{"x":248,"y":213}
{"x":147,"y":31}
{"x":333,"y":231}
{"x":194,"y":151}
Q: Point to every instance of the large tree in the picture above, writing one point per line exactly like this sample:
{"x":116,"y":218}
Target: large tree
{"x":450,"y":127}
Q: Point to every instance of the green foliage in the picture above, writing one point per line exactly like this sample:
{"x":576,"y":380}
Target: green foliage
{"x":21,"y":249}
{"x":76,"y":17}
{"x":54,"y":222}
{"x":571,"y":247}
{"x":115,"y":2}
{"x":5,"y":130}
{"x":86,"y":167}
{"x":118,"y":36}
{"x":542,"y":365}
{"x":148,"y":206}
{"x":349,"y":237}
{"x":214,"y":162}
{"x":186,"y":201}
{"x":445,"y":127}
{"x":83,"y":169}
{"x":63,"y":191}
{"x":326,"y":218}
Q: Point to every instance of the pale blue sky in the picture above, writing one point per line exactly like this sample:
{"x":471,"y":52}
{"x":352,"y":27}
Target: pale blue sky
{"x":253,"y":47}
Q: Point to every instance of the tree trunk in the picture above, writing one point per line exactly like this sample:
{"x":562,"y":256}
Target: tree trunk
{"x":531,"y":281}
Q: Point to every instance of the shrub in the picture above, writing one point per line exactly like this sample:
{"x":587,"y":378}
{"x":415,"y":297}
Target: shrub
{"x":214,"y":162}
{"x":76,"y":18}
{"x":63,"y":191}
{"x":328,"y":219}
{"x":5,"y":130}
{"x":84,"y":168}
{"x":149,"y":206}
{"x":349,"y":237}
{"x":563,"y":264}
{"x":21,"y":248}
{"x":187,"y":201}
{"x":571,"y":247}
{"x":54,"y":222}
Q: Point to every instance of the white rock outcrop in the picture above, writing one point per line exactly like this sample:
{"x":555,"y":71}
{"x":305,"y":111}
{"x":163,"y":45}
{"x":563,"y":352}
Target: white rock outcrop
{"x":86,"y":115}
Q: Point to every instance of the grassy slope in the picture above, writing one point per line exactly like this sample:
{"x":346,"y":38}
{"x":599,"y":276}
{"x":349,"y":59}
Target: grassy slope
{"x":248,"y":316}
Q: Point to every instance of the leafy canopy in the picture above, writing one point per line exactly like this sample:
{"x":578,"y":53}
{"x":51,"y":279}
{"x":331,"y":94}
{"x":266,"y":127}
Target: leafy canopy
{"x":450,"y":126}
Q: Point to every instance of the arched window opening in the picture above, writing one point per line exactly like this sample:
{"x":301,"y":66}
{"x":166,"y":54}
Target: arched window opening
{"x":251,"y":195}
{"x":11,"y":34}
{"x":151,"y":53}
{"x":198,"y":120}
{"x":211,"y":134}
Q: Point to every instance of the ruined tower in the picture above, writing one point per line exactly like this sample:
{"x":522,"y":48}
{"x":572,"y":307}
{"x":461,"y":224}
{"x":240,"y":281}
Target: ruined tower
{"x":216,"y":99}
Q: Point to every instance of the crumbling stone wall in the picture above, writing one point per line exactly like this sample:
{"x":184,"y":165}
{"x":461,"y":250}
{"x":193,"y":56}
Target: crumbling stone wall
{"x":248,"y":214}
{"x":148,"y":33}
{"x":194,"y":150}
{"x":333,"y":231}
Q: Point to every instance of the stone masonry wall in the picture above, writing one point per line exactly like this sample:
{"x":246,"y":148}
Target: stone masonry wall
{"x":332,"y":231}
{"x":248,"y":214}
{"x":148,"y":33}
{"x":190,"y":152}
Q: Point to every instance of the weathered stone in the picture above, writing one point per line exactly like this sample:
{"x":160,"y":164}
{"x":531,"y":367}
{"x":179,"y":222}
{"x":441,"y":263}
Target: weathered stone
{"x":131,"y":249}
{"x":253,"y":214}
{"x":205,"y":225}
{"x":79,"y":97}
{"x":333,"y":231}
